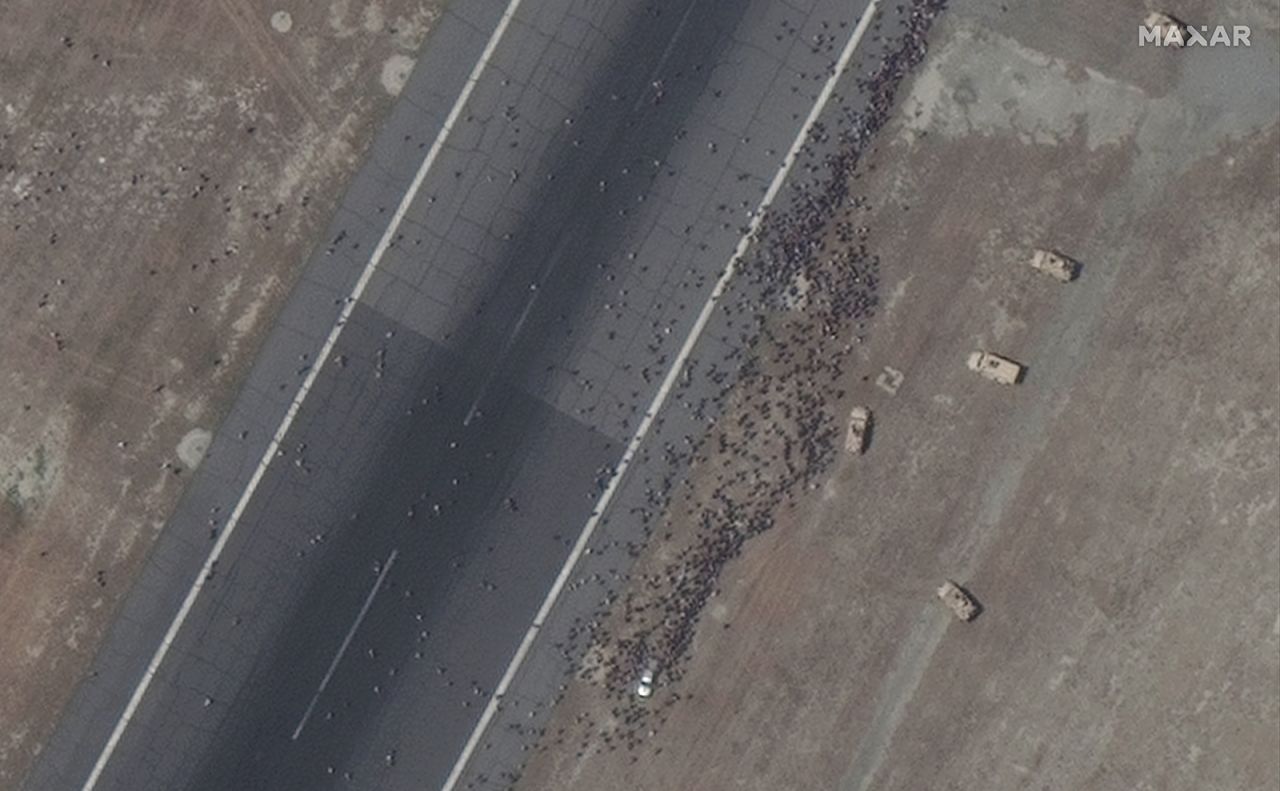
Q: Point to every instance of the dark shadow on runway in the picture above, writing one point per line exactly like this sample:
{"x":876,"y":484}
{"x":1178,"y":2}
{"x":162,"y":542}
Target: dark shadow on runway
{"x":470,"y":575}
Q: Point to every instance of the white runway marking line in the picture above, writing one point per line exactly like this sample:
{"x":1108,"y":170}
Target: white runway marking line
{"x":667,"y":384}
{"x":234,"y":518}
{"x":346,"y":641}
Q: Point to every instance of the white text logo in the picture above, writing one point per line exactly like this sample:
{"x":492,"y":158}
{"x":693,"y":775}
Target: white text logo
{"x":1190,"y":36}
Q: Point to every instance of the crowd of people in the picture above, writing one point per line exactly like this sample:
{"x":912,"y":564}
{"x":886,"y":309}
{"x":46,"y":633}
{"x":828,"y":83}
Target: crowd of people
{"x":804,"y":296}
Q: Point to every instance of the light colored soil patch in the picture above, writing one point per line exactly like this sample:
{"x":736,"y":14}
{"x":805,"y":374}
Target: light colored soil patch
{"x":395,"y":73}
{"x":194,"y":444}
{"x":35,"y":474}
{"x":282,"y":21}
{"x":164,"y":172}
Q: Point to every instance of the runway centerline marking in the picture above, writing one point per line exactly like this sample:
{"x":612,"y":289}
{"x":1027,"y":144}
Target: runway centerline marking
{"x":668,"y":382}
{"x":506,"y":346}
{"x":153,"y":667}
{"x":556,"y":258}
{"x":346,"y":641}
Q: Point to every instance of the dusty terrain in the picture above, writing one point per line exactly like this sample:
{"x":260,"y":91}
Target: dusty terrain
{"x":1116,"y":514}
{"x":164,"y":170}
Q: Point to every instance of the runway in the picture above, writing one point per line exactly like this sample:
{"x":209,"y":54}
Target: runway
{"x":531,"y":296}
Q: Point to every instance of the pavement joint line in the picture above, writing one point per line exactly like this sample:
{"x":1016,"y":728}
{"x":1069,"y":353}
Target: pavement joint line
{"x":295,"y":406}
{"x":346,"y":642}
{"x":673,"y":373}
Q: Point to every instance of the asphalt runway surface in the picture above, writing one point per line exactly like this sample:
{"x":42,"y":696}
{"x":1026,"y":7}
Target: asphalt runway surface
{"x":484,"y":386}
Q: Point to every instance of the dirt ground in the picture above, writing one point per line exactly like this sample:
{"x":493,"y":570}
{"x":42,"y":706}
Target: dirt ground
{"x":1116,"y":514}
{"x":164,"y":169}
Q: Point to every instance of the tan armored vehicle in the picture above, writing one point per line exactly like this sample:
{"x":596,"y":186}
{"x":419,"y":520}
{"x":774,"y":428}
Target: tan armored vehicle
{"x":1172,"y":30}
{"x":855,"y":439}
{"x":1055,"y":265}
{"x":958,"y":600}
{"x":996,"y":368}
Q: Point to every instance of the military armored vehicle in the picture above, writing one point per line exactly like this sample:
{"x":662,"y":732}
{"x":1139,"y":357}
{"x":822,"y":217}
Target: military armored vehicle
{"x":996,"y":368}
{"x":1173,"y":31}
{"x":958,"y":600}
{"x":855,"y":439}
{"x":1055,"y":265}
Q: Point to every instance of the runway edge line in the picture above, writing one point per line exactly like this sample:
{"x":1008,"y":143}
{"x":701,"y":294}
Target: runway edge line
{"x":295,"y":406}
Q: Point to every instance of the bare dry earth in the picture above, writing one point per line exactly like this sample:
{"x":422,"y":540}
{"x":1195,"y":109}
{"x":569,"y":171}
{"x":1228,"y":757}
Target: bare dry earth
{"x":164,"y":170}
{"x":1117,"y":514}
